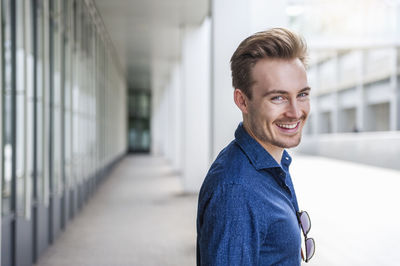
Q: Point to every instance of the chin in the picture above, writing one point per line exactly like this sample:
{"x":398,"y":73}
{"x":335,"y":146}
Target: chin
{"x":290,"y":143}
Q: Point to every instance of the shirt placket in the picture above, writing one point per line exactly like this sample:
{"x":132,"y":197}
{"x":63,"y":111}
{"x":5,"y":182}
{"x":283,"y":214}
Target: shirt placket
{"x":284,"y":179}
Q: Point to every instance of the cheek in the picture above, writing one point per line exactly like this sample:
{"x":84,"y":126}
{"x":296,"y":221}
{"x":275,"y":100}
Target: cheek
{"x":256,"y":110}
{"x":306,"y":107}
{"x":273,"y":112}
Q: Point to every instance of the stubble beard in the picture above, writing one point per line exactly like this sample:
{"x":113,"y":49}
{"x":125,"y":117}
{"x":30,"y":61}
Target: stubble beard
{"x":258,"y":132}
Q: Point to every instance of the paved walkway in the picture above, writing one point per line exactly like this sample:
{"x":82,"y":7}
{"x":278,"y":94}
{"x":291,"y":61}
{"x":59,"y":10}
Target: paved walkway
{"x":139,"y":216}
{"x":354,"y":210}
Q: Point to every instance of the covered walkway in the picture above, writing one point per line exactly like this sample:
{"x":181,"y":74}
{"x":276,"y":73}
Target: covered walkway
{"x":139,"y":216}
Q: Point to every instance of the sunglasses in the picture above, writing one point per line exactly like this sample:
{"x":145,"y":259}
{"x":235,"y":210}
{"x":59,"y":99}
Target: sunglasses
{"x":305,"y":224}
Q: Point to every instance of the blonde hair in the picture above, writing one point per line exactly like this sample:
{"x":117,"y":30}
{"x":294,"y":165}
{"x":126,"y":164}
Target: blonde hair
{"x":273,"y":43}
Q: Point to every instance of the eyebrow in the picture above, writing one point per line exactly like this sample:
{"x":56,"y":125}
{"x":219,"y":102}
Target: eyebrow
{"x":284,"y":92}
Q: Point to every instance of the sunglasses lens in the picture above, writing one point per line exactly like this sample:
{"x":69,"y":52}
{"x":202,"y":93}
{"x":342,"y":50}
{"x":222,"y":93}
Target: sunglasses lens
{"x":310,"y":248}
{"x":305,"y":222}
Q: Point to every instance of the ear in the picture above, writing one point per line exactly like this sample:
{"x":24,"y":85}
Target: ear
{"x":241,"y":100}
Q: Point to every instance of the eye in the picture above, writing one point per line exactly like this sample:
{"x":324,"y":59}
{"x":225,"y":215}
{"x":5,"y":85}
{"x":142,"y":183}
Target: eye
{"x":277,"y":99}
{"x":303,"y":95}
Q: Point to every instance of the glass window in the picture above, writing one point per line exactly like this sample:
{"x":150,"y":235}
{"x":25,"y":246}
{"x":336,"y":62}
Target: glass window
{"x":41,"y":76}
{"x":139,"y":121}
{"x":29,"y":87}
{"x":1,"y":111}
{"x":57,"y":114}
{"x":67,"y":90}
{"x":46,"y":101}
{"x":378,"y":117}
{"x":7,"y":110}
{"x":23,"y":87}
{"x":76,"y":95}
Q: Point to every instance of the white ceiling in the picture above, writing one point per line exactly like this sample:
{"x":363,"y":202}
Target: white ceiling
{"x":148,"y":31}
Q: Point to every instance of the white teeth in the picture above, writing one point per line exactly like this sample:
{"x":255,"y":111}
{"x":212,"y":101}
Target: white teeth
{"x":288,"y":126}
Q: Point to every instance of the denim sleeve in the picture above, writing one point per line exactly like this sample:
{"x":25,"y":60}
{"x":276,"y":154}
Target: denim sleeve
{"x":230,"y":228}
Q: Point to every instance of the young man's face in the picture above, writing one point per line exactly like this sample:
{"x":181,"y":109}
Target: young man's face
{"x":280,"y":102}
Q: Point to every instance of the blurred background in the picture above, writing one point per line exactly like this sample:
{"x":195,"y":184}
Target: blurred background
{"x":111,"y":113}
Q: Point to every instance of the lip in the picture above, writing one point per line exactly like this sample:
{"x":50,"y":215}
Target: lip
{"x":289,"y":130}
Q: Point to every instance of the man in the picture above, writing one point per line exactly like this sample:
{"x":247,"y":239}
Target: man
{"x":248,"y":212}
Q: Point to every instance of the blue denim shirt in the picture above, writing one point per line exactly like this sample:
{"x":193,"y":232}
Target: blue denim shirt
{"x":247,"y":208}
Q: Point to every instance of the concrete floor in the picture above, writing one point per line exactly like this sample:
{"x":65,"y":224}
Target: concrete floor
{"x":354,"y":210}
{"x":139,"y":216}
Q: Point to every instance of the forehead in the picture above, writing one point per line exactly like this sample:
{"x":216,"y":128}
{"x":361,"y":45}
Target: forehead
{"x":278,"y":74}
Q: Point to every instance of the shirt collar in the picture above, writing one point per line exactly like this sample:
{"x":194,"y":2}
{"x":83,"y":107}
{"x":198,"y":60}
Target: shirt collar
{"x":259,"y":157}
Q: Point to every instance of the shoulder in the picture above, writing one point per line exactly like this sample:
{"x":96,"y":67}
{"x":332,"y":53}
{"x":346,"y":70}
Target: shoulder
{"x":231,"y":174}
{"x":229,"y":201}
{"x":229,"y":166}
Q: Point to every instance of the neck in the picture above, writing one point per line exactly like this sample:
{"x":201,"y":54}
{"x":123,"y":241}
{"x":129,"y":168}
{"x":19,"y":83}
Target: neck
{"x":275,"y":151}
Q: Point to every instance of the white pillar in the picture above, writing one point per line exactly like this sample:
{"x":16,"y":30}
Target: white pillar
{"x":165,"y":121}
{"x":156,"y":116}
{"x":175,"y":116}
{"x":233,"y":21}
{"x":361,"y":105}
{"x":336,"y":108}
{"x":195,"y":90}
{"x":160,"y":107}
{"x":394,"y":101}
{"x":397,"y":87}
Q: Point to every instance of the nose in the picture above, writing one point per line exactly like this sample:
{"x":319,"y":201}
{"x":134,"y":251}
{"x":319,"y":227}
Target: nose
{"x":293,"y":110}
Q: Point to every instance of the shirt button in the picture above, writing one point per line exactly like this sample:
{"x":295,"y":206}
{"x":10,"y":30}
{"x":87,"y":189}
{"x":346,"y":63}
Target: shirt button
{"x":287,"y":158}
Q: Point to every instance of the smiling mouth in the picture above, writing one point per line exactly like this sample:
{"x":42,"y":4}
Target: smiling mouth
{"x":288,"y":127}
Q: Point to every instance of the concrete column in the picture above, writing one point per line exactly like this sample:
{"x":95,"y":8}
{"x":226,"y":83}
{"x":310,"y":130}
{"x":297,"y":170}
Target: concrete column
{"x":165,"y":120}
{"x":228,"y":30}
{"x":360,"y":106}
{"x":335,"y":110}
{"x":394,"y":100}
{"x":160,"y":108}
{"x":156,"y":116}
{"x":195,"y":101}
{"x":314,"y":104}
{"x":397,"y":86}
{"x":175,"y":115}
